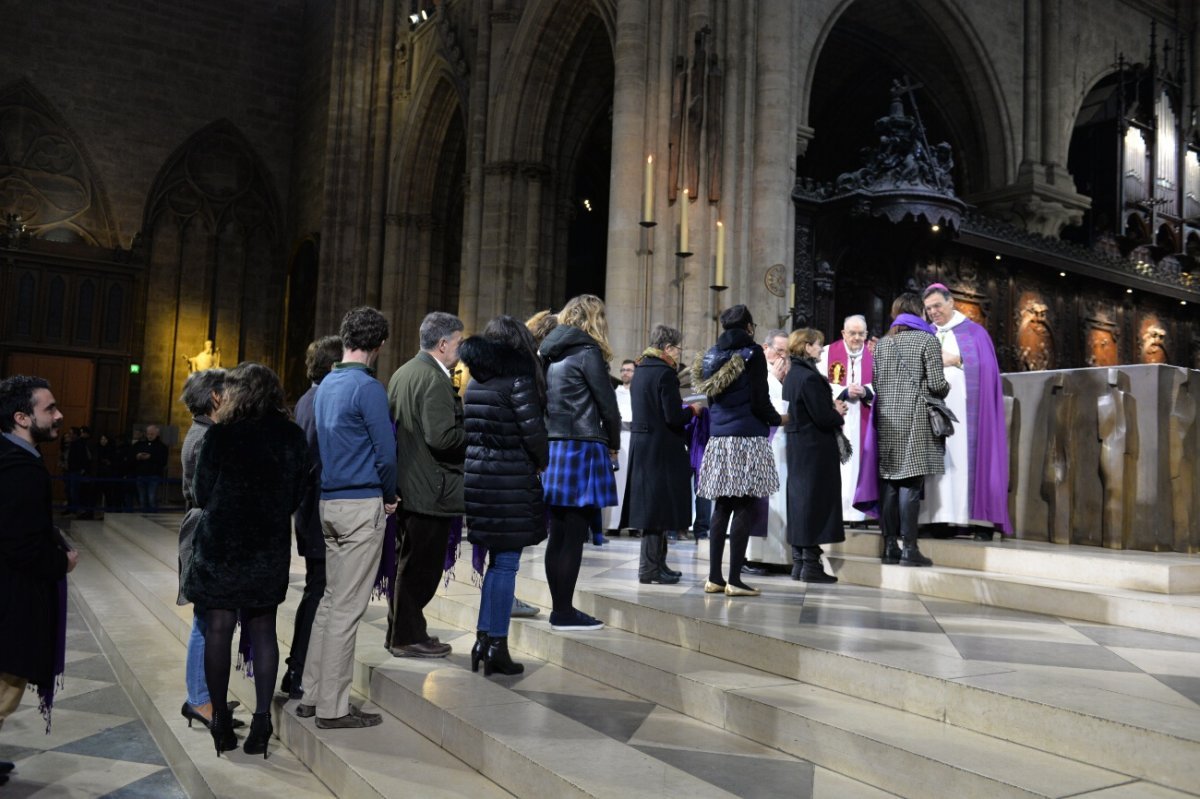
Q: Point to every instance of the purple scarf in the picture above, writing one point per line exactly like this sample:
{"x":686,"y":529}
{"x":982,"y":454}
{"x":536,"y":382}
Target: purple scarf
{"x":914,"y":322}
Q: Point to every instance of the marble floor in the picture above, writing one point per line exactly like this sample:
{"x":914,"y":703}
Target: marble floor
{"x":97,"y":745}
{"x":714,"y":696}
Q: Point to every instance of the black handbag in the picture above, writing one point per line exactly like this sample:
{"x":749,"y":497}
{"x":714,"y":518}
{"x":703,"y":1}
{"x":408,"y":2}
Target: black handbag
{"x":941,"y":418}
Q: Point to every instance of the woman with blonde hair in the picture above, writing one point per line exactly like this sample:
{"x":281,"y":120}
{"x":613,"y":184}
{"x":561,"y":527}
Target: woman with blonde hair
{"x":584,"y":427}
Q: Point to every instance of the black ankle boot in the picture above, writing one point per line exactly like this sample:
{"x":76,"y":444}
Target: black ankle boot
{"x":911,"y":556}
{"x":811,"y":570}
{"x":891,"y":550}
{"x":221,"y":728}
{"x":498,"y":660}
{"x":290,"y":684}
{"x":479,"y":651}
{"x":260,"y":733}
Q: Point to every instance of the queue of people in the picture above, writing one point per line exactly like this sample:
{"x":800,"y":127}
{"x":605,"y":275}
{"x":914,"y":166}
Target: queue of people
{"x":531,"y":454}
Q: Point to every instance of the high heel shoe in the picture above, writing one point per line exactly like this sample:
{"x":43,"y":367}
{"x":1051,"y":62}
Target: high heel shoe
{"x":260,"y":733}
{"x":222,"y":732}
{"x":191,"y":714}
{"x":498,"y":660}
{"x":479,"y":651}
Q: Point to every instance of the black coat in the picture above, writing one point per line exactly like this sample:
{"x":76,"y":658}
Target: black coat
{"x":814,"y":474}
{"x":310,"y":539}
{"x":33,"y":561}
{"x":250,"y":477}
{"x":658,"y":491}
{"x":507,"y":446}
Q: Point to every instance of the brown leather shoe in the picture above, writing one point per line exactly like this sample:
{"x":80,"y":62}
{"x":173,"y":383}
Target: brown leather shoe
{"x":424,"y":649}
{"x":355,"y":719}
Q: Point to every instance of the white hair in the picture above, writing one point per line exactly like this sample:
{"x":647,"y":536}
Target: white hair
{"x":846,"y":322}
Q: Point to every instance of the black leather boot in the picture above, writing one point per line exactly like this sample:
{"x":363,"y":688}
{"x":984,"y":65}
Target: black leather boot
{"x":797,"y":561}
{"x":891,"y":550}
{"x":498,"y":660}
{"x":479,"y":650}
{"x":911,"y":556}
{"x":260,"y":733}
{"x":221,"y":728}
{"x":811,"y":570}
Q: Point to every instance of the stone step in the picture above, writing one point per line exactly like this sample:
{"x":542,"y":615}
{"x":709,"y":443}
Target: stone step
{"x":149,"y":663}
{"x":392,"y":760}
{"x":1082,"y":722}
{"x":526,"y":747}
{"x":893,"y":750}
{"x":1157,"y":572}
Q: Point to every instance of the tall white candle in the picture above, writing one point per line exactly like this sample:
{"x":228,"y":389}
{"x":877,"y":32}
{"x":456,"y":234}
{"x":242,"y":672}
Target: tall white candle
{"x":648,"y":196}
{"x":720,"y":253}
{"x":683,"y":231}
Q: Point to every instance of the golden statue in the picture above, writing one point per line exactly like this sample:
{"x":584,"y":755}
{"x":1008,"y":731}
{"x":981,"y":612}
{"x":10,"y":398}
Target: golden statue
{"x":207,"y":358}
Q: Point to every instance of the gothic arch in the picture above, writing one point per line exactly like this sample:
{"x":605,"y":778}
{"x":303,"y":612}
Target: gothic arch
{"x":936,"y":45}
{"x":46,"y":175}
{"x":214,"y":271}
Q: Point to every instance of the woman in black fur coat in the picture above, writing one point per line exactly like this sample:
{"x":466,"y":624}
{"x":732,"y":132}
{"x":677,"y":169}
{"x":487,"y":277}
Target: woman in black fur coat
{"x":507,"y":448}
{"x":250,"y":477}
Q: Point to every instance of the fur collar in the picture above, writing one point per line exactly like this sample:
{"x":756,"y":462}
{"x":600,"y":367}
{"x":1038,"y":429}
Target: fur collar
{"x":487,"y":358}
{"x":721,"y":379}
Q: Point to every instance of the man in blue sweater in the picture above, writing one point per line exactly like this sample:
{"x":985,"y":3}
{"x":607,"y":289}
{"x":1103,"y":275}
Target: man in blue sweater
{"x":358,"y":491}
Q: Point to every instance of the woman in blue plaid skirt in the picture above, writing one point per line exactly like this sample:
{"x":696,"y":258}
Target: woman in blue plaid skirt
{"x":584,"y":426}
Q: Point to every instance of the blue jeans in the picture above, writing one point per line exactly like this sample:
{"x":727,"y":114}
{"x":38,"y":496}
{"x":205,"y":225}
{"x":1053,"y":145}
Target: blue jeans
{"x":499,"y":586}
{"x":197,"y":688}
{"x":147,"y":488}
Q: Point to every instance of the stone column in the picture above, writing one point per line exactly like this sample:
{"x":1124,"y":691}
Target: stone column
{"x":477,"y":114}
{"x":624,"y":296}
{"x":770,"y":232}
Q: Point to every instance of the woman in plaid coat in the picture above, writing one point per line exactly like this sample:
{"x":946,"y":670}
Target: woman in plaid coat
{"x":908,"y":368}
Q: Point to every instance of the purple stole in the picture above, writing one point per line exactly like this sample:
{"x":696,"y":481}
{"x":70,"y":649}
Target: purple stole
{"x":837,"y":372}
{"x":987,"y":438}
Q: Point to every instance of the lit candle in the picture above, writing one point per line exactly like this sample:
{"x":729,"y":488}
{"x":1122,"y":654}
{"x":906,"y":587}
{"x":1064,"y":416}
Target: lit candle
{"x":648,"y":196}
{"x":792,"y":295}
{"x":720,"y":253}
{"x":683,"y":209}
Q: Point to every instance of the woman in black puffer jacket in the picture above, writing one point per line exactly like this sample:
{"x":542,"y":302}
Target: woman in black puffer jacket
{"x":507,"y":448}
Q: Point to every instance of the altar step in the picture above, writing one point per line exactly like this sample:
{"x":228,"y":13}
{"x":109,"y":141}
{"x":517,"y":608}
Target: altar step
{"x":886,"y":724}
{"x":1146,"y":591}
{"x":523,"y":745}
{"x":899,"y":727}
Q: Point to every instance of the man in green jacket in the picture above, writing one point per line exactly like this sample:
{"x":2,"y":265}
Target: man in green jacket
{"x":431,"y":444}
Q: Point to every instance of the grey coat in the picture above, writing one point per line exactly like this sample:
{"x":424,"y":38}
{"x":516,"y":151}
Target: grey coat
{"x":908,"y":366}
{"x":191,"y":515}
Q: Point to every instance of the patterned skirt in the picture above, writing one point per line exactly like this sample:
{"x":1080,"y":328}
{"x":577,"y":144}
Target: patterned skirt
{"x":738,"y":466}
{"x":579,"y":475}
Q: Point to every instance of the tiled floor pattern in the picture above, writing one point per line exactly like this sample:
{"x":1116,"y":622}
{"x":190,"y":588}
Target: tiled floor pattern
{"x":97,"y":746}
{"x":1092,"y":667}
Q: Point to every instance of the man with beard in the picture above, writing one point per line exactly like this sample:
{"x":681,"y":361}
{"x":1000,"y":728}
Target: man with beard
{"x":974,"y":488}
{"x":34,"y":558}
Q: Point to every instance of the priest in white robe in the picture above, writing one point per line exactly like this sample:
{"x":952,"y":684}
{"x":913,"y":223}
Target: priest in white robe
{"x":612,"y":515}
{"x":847,"y":365}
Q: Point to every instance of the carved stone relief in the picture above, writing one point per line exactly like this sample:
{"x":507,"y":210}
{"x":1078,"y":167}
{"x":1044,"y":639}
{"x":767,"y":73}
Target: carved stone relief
{"x":45,"y":178}
{"x":1152,"y":340}
{"x":1035,"y":336}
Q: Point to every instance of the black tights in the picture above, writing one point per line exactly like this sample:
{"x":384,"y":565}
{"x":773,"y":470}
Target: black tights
{"x":259,"y":625}
{"x":737,"y":508}
{"x":564,"y":553}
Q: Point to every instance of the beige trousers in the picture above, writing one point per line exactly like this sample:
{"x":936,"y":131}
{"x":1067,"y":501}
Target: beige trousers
{"x":353,"y":531}
{"x":12,"y":688}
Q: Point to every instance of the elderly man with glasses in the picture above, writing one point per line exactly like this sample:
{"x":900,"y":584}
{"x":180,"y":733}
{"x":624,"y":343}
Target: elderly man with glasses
{"x":847,"y":365}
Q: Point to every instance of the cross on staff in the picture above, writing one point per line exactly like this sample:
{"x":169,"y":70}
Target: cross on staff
{"x":906,"y":87}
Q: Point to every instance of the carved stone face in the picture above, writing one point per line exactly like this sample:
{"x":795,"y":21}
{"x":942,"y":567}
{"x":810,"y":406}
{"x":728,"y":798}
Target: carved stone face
{"x":1154,"y":339}
{"x":1102,"y":346}
{"x":1035,"y":341}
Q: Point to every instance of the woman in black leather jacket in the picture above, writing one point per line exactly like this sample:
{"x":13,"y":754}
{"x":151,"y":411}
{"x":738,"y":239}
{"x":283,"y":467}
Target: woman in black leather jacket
{"x":507,"y":448}
{"x":738,"y":465}
{"x":584,"y":425}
